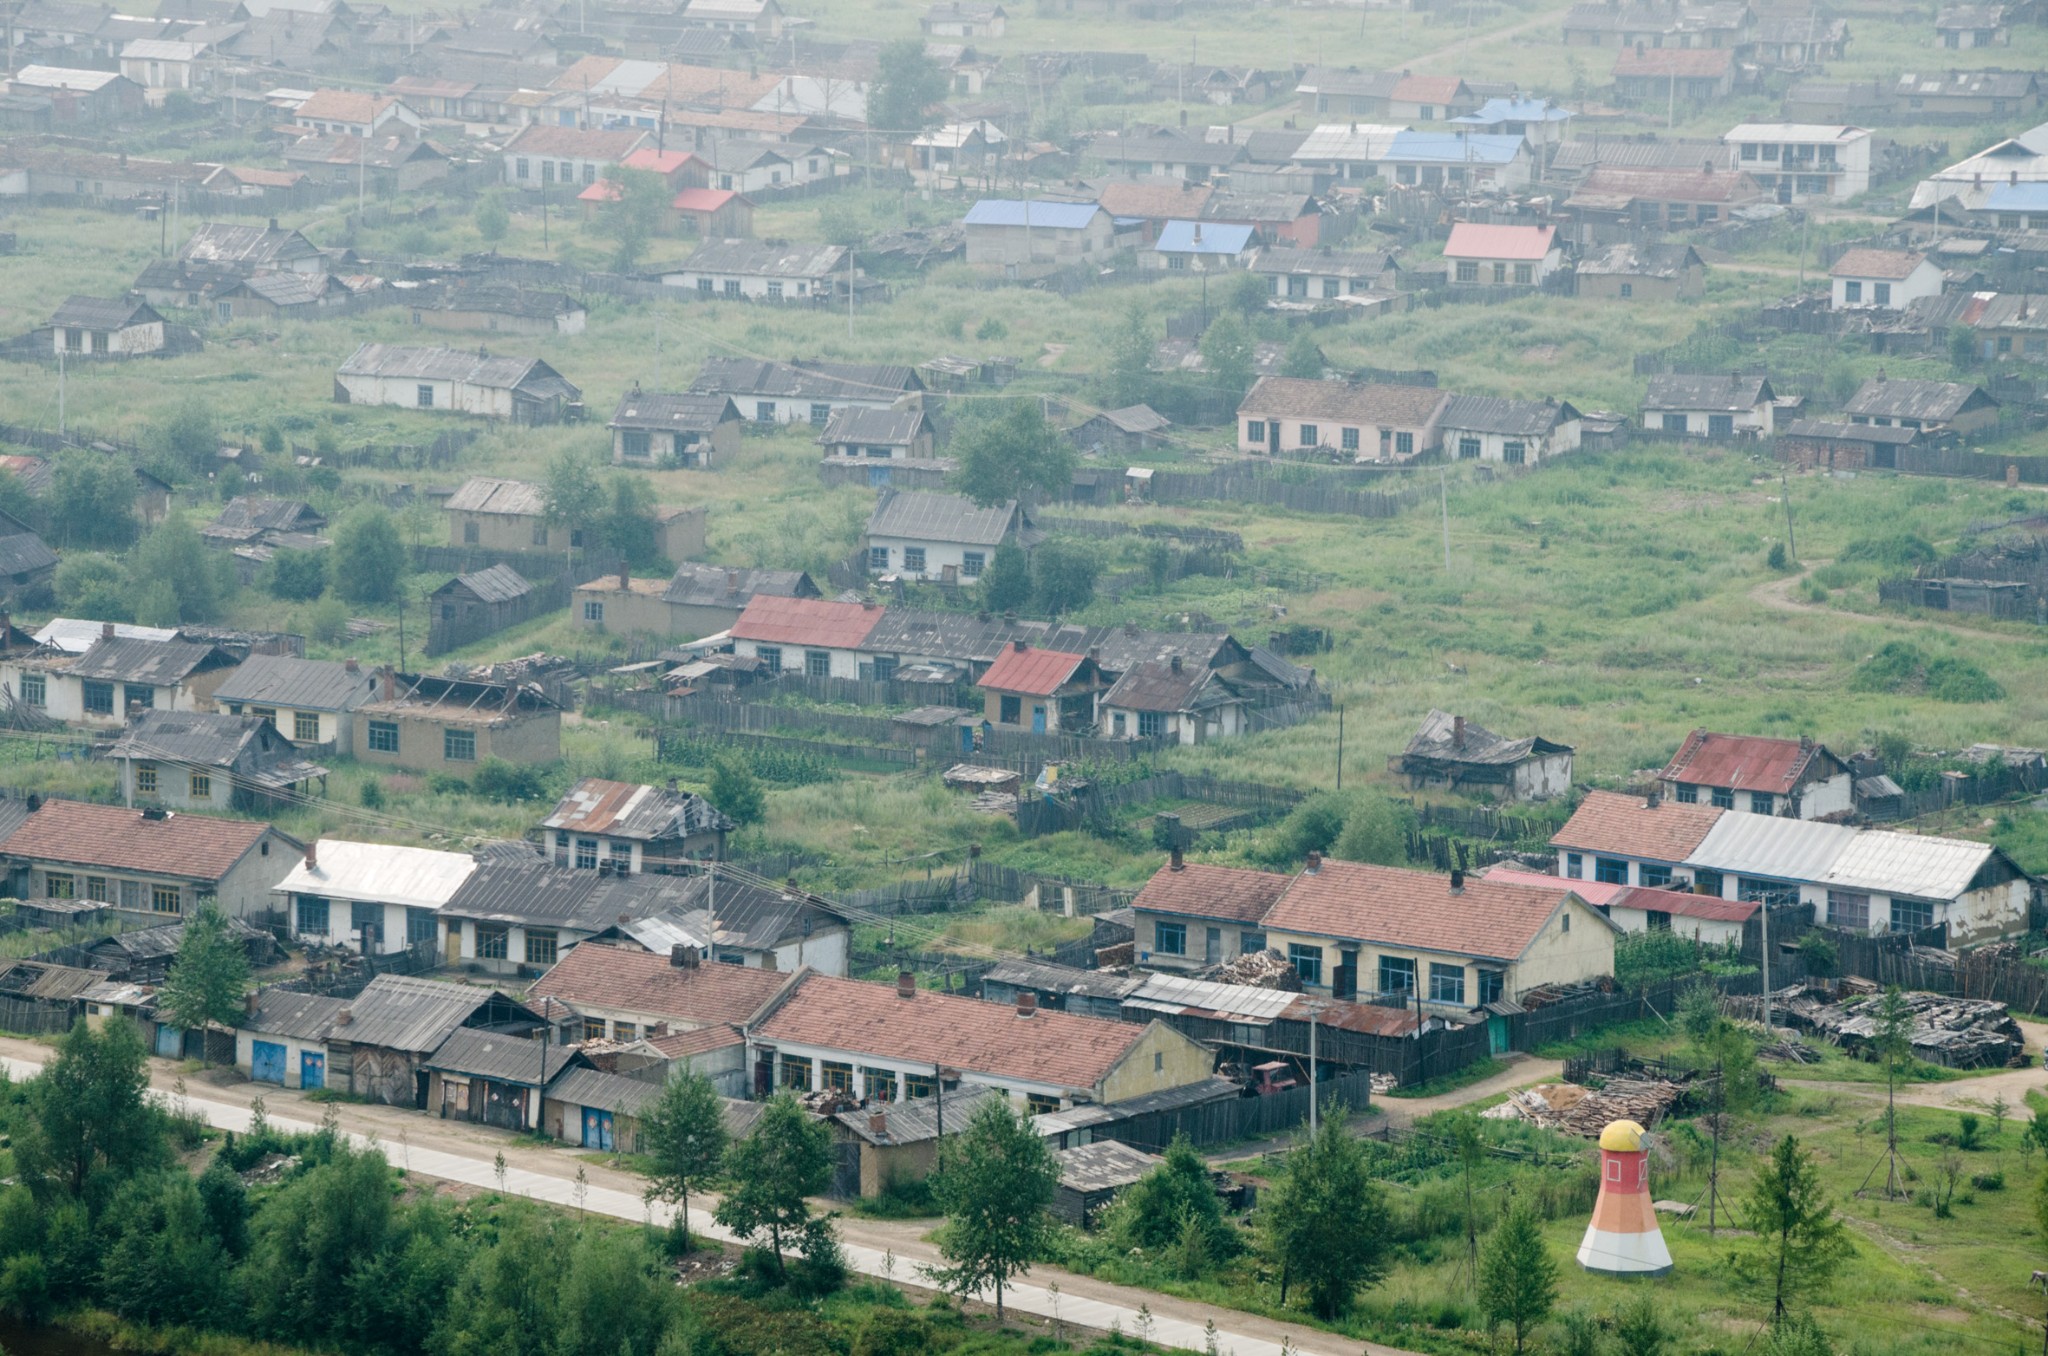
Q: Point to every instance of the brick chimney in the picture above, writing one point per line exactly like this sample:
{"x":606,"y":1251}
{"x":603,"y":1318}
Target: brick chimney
{"x":313,"y":856}
{"x":625,"y":578}
{"x":906,"y":984}
{"x":1027,"y":1003}
{"x":1176,"y":862}
{"x":732,"y":581}
{"x":1457,"y":732}
{"x":1457,"y":880}
{"x":1315,"y":864}
{"x":1174,"y":663}
{"x":350,"y":665}
{"x":877,"y":1123}
{"x":1020,"y":646}
{"x":106,"y":630}
{"x":390,"y":684}
{"x":1653,"y":800}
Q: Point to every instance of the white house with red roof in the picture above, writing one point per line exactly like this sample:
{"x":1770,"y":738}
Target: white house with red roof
{"x":816,"y":637}
{"x":1760,"y":775}
{"x":1501,"y":256}
{"x":1043,"y":691}
{"x":1191,"y":916}
{"x":151,"y":864}
{"x":1881,"y":280}
{"x":1635,"y":908}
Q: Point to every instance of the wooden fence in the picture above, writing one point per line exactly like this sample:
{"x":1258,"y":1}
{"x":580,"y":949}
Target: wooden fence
{"x":1097,"y":806}
{"x":1237,"y":1118}
{"x":1892,"y":959}
{"x":1254,"y":483}
{"x":21,"y":1017}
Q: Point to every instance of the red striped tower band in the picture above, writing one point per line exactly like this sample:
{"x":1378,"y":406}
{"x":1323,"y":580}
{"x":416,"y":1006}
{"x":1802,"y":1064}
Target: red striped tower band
{"x":1623,"y":1238}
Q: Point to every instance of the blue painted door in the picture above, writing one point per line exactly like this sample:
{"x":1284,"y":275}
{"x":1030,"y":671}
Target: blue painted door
{"x":170,"y":1042}
{"x":1038,"y":720}
{"x":266,"y":1062}
{"x":597,"y":1128}
{"x":312,"y":1069}
{"x":878,"y":476}
{"x":967,"y":739}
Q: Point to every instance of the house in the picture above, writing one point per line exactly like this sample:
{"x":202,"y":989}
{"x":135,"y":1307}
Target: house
{"x":372,"y":898}
{"x":1456,"y":160}
{"x":248,"y":250}
{"x":1133,"y":429}
{"x":1009,"y":234}
{"x":878,"y":435}
{"x":1760,"y":775}
{"x":1638,"y":908}
{"x":276,"y":296}
{"x":117,"y":675}
{"x":762,"y":18}
{"x":1629,"y":272}
{"x":1803,"y":162}
{"x":1836,"y":444}
{"x":477,"y":604}
{"x":739,"y":920}
{"x":1632,"y":840}
{"x":1632,"y":199}
{"x":1174,"y":701}
{"x":380,"y":1041}
{"x":498,"y":515}
{"x":1452,"y":943}
{"x":160,"y":65}
{"x":1648,"y":75}
{"x":746,"y":166}
{"x":793,"y":392}
{"x":1961,"y":27}
{"x":1794,"y":41}
{"x":203,"y":760}
{"x":1324,"y":273}
{"x":698,"y":600}
{"x":1361,"y":422}
{"x":1965,"y":96}
{"x":430,"y":724}
{"x":600,"y":1111}
{"x":1450,"y":753}
{"x":897,"y":1143}
{"x":1165,"y":153}
{"x":943,"y":537}
{"x":541,"y":156}
{"x":499,"y":310}
{"x":1192,"y":916}
{"x":149,"y":863}
{"x":518,"y":915}
{"x":623,"y":993}
{"x":713,"y":213}
{"x":247,"y":519}
{"x":28,"y":566}
{"x":1092,"y":1175}
{"x":632,"y":827}
{"x":523,"y":390}
{"x":78,"y":98}
{"x":123,"y":328}
{"x":1043,"y":691}
{"x":1904,"y":882}
{"x":1536,"y":120}
{"x":1659,"y":23}
{"x":1966,"y":186}
{"x":1429,"y":98}
{"x":658,"y":429}
{"x":1927,"y":405}
{"x":1347,"y":151}
{"x":1192,"y":247}
{"x":816,"y":637}
{"x":758,"y":270}
{"x":1154,"y":202}
{"x":310,"y":701}
{"x":964,"y":19}
{"x":356,"y":113}
{"x":1686,"y":406}
{"x":1815,"y":100}
{"x":887,"y":1045}
{"x":963,"y":148}
{"x":1347,"y":92}
{"x":493,"y":1079}
{"x":281,"y":1037}
{"x":1882,"y":280}
{"x":386,"y":164}
{"x":1502,"y":256}
{"x":1513,"y":432}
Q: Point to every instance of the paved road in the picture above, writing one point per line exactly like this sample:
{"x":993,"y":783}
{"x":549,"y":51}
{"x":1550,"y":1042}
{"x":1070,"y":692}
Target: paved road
{"x":888,"y":1250}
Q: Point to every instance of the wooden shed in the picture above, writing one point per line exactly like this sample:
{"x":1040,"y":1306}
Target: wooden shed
{"x":1092,"y":1174}
{"x":471,"y":606}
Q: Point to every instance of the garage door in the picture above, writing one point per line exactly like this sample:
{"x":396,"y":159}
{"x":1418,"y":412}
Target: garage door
{"x":266,"y":1062}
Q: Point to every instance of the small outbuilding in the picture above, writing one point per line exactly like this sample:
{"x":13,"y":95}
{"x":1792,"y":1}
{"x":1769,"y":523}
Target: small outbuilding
{"x":1450,"y":753}
{"x":472,"y":606}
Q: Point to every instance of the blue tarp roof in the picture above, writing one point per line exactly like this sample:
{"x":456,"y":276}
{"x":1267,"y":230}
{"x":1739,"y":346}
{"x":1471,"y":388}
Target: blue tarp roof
{"x":1058,"y":216}
{"x":1514,"y":110}
{"x":2017,"y":198}
{"x":1180,"y":237}
{"x":1476,"y":148}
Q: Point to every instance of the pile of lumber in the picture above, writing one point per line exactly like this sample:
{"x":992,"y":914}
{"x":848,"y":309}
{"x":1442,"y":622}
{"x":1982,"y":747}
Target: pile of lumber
{"x":1573,"y":1110}
{"x":1266,"y":969}
{"x":1959,"y":1033}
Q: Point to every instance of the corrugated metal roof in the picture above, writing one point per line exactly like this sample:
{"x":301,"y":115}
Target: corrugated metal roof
{"x":951,"y":518}
{"x":303,"y":684}
{"x":1215,"y":237}
{"x":1105,"y":1165}
{"x":691,"y":412}
{"x":604,"y":1091}
{"x":1770,"y":846}
{"x":297,"y":1016}
{"x":103,"y":313}
{"x":457,"y":365}
{"x":917,"y":1120}
{"x":498,"y":584}
{"x":1050,"y":978}
{"x":160,"y":663}
{"x":758,"y":258}
{"x":631,"y":810}
{"x":1177,"y":993}
{"x":1471,"y":241}
{"x":806,"y":621}
{"x":1054,"y":216}
{"x":1908,"y":864}
{"x":1038,"y":673}
{"x":503,"y":1059}
{"x":407,"y":1012}
{"x":419,"y":878}
{"x":1455,"y":148}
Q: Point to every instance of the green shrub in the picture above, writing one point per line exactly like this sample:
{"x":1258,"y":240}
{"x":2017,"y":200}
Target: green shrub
{"x":1905,"y":669}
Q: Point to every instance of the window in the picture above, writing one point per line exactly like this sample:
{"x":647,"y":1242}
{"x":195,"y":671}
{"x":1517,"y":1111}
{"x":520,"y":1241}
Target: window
{"x":34,"y":689}
{"x":913,"y":559}
{"x":383,"y":737}
{"x":520,"y":169}
{"x":593,"y":1028}
{"x":540,"y":946}
{"x":1170,"y":939}
{"x":775,"y":291}
{"x":821,"y":413}
{"x":1574,"y":866}
{"x":1687,"y":794}
{"x":1038,"y":1103}
{"x":96,"y":888}
{"x":1723,"y":797}
{"x":1525,"y":274}
{"x":972,"y":563}
{"x":306,"y":726}
{"x":1118,"y":724}
{"x":1397,"y":975}
{"x":586,"y":854}
{"x":1514,"y":453}
{"x":1720,"y":426}
{"x":470,"y":534}
{"x":919,"y":1085}
{"x":625,"y":1031}
{"x":1653,"y":877}
{"x":878,"y":1085}
{"x":732,"y":287}
{"x":1750,"y":890}
{"x":1307,"y":962}
{"x":1151,"y":724}
{"x":423,"y":396}
{"x":492,"y":939}
{"x":1349,"y":439}
{"x":1707,"y":883}
{"x":1627,"y":290}
{"x":635,"y":444}
{"x":99,"y":341}
{"x":99,"y":698}
{"x":817,"y":663}
{"x":1491,"y":982}
{"x":1881,"y":294}
{"x":1310,"y":435}
{"x":1762,"y":803}
{"x":1910,"y":915}
{"x":706,"y":286}
{"x":1674,"y":423}
{"x":202,"y":786}
{"x":770,"y":657}
{"x":764,"y":411}
{"x":366,"y":918}
{"x":837,"y":1077}
{"x":1468,"y":271}
{"x":878,"y":557}
{"x":1852,"y":292}
{"x":458,"y":746}
{"x":145,"y":779}
{"x":312,"y":916}
{"x":1404,"y":444}
{"x":420,"y":926}
{"x":796,"y":1074}
{"x":1255,"y":431}
{"x":166,"y":899}
{"x":1329,"y":288}
{"x":1656,"y":920}
{"x":1848,"y":910}
{"x":59,"y":886}
{"x":1251,"y":943}
{"x":131,"y":894}
{"x":1010,"y":710}
{"x":1500,"y":273}
{"x":74,"y":341}
{"x":884,"y":667}
{"x":1564,"y":922}
{"x":1176,"y":261}
{"x":1446,"y":983}
{"x":593,"y":610}
{"x":1468,"y":449}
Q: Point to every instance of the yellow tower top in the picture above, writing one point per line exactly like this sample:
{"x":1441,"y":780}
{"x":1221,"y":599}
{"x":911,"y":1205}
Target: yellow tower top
{"x":1622,"y":1137}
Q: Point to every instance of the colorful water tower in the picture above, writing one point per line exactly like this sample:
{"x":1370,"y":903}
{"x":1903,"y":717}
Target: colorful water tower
{"x":1623,"y":1239}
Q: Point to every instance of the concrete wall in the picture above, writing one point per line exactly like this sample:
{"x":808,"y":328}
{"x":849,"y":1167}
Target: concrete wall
{"x":340,"y":929}
{"x":937,"y":556}
{"x":535,"y":738}
{"x":500,"y":531}
{"x":664,"y":446}
{"x":1331,"y":435}
{"x":245,"y":1053}
{"x":845,"y":663}
{"x":1163,"y":1058}
{"x":1710,"y":931}
{"x":458,"y":946}
{"x":1494,"y":446}
{"x":1697,"y":422}
{"x":132,"y":340}
{"x":403,"y":393}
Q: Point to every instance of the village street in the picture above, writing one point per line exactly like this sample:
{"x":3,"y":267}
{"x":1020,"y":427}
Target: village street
{"x":885,"y":1250}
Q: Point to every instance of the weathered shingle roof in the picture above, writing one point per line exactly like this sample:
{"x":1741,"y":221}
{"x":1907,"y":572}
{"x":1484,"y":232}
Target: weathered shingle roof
{"x":304,"y":684}
{"x":690,"y":412}
{"x":700,"y":585}
{"x":880,"y":428}
{"x":950,"y":518}
{"x":630,"y":810}
{"x":504,"y":1059}
{"x":1870,"y":263}
{"x":806,"y":380}
{"x":248,"y":745}
{"x":457,"y":365}
{"x":1344,"y":402}
{"x":759,"y":258}
{"x":1443,"y":738}
{"x":1498,"y":414}
{"x":605,"y":1091}
{"x":1910,"y":398}
{"x":491,"y":494}
{"x":159,"y":663}
{"x":297,"y":1016}
{"x":1640,"y":261}
{"x":103,"y":313}
{"x":498,"y":583}
{"x":411,"y":1013}
{"x":1735,"y":393}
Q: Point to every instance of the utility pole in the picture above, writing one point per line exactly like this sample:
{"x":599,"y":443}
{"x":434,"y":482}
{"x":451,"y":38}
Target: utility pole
{"x":60,"y":387}
{"x":1763,"y":918}
{"x":1315,"y":1018}
{"x":362,"y":151}
{"x":1340,"y":747}
{"x":849,"y":291}
{"x":401,"y":632}
{"x":1443,"y":482}
{"x":1671,"y":101}
{"x":1785,"y":485}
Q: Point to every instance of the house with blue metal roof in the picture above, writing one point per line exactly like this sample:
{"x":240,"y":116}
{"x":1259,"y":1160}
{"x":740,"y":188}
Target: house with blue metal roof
{"x":1200,"y":247}
{"x":1538,"y":121}
{"x":1435,"y":159}
{"x":1008,"y":233}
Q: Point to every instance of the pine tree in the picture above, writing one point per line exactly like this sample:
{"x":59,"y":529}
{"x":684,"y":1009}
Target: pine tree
{"x":1800,"y":1244}
{"x":209,"y":975}
{"x":994,"y":1186}
{"x":1517,"y":1278}
{"x":683,"y":1136}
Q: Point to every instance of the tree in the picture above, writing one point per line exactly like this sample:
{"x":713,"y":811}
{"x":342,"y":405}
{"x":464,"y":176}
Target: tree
{"x":737,"y":792}
{"x":1797,"y":1336}
{"x":907,"y":84}
{"x":492,"y":220}
{"x":1006,"y":584}
{"x":313,"y":1238}
{"x":1304,"y":357}
{"x":1227,"y":357}
{"x":570,"y":494}
{"x":164,"y":1265}
{"x":298,"y":576}
{"x":1468,"y":1147}
{"x":786,"y":1158}
{"x":1014,"y":453}
{"x":1375,"y":831}
{"x":683,"y":1137}
{"x":1800,"y":1244}
{"x":94,"y":586}
{"x":1157,"y":1211}
{"x":16,"y":502}
{"x":1731,"y":1052}
{"x":505,"y":1302}
{"x":367,"y":560}
{"x":1127,"y":379}
{"x":1517,"y":1278}
{"x":638,"y":199}
{"x":1063,"y":574}
{"x":89,"y":1126}
{"x":625,"y":527}
{"x":189,"y":441}
{"x":994,"y":1186}
{"x":92,"y":500}
{"x":1893,"y":1041}
{"x":1247,"y":293}
{"x":1640,"y":1326}
{"x":1324,"y":1221}
{"x":173,"y":558}
{"x":611,"y":1303}
{"x":209,"y":974}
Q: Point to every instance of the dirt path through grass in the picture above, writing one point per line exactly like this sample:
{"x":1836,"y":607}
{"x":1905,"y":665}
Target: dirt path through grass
{"x":1777,"y":595}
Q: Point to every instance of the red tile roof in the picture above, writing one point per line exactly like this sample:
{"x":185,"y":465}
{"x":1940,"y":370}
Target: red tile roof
{"x":1685,"y":905}
{"x":197,"y":847}
{"x":1395,"y":906}
{"x":1227,"y":892}
{"x":1428,"y":89}
{"x":1680,"y":61}
{"x":657,"y":162}
{"x":1607,"y":821}
{"x":640,"y":981}
{"x":702,"y":199}
{"x":1743,"y":762}
{"x":819,"y":622}
{"x":678,"y":1044}
{"x":1470,"y":241}
{"x":1598,"y":893}
{"x":1058,"y":1049}
{"x":1877,"y":264}
{"x":1037,"y":673}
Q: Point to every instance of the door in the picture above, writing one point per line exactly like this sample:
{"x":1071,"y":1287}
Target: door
{"x":312,"y":1069}
{"x":1344,"y":983}
{"x":878,"y":477}
{"x":1212,"y":947}
{"x":266,"y":1062}
{"x":597,"y":1128}
{"x":170,"y":1042}
{"x":453,"y":951}
{"x":967,"y":739}
{"x":1496,"y":1035}
{"x":1273,"y":437}
{"x":1038,"y":720}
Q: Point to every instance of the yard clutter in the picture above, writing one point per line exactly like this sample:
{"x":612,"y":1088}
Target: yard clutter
{"x":1585,"y":1112}
{"x":1959,"y":1033}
